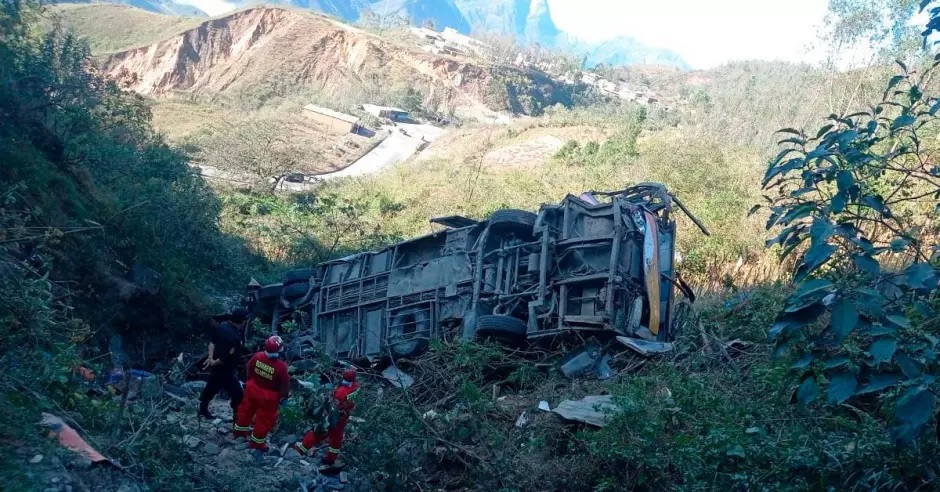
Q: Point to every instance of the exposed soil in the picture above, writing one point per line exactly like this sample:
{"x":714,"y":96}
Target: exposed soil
{"x":274,"y":46}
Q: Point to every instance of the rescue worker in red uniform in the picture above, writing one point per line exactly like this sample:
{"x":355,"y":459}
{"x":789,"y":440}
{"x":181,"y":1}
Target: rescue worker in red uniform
{"x":268,"y":385}
{"x":344,"y":401}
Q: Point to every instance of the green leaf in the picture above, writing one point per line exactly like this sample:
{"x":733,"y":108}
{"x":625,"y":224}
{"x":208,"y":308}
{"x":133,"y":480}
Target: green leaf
{"x":844,"y":318}
{"x":841,"y":386}
{"x":813,"y":287}
{"x":824,"y":130}
{"x":909,"y":366}
{"x":844,"y":180}
{"x":879,"y":382}
{"x":753,"y":209}
{"x":902,"y":121}
{"x":736,"y":450}
{"x":935,"y":108}
{"x":837,"y":206}
{"x":792,"y":140}
{"x":893,"y":82}
{"x":912,"y":413}
{"x":878,"y":330}
{"x":882,"y":349}
{"x":790,"y":131}
{"x":867,"y":264}
{"x":803,"y":362}
{"x":821,"y":229}
{"x":836,"y":362}
{"x":875,"y":202}
{"x":817,"y":255}
{"x":921,"y":275}
{"x":808,"y":391}
{"x":899,"y":320}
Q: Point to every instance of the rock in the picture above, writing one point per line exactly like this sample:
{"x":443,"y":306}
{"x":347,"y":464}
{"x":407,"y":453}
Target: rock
{"x":216,"y":421}
{"x":226,"y":454}
{"x":222,"y":430}
{"x":190,"y":441}
{"x":35,"y":459}
{"x":128,"y":487}
{"x":292,"y":455}
{"x":82,"y":462}
{"x":211,"y":448}
{"x":290,"y":438}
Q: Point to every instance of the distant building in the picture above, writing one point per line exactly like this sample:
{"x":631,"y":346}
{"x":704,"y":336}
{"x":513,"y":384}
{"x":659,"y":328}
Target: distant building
{"x":333,"y":120}
{"x":394,"y":114}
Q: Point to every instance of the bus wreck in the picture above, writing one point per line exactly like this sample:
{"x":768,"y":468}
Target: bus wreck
{"x":600,"y":263}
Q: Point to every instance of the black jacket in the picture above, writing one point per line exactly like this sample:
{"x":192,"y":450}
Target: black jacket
{"x":229,"y":341}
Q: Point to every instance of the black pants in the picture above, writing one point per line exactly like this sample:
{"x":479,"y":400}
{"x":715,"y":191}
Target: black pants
{"x":222,"y":378}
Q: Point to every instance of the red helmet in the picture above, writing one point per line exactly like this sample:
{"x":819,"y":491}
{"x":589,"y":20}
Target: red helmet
{"x":273,"y":344}
{"x":349,"y":374}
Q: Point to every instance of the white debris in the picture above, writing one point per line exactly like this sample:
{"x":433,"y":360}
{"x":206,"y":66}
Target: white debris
{"x":543,"y":406}
{"x":592,"y":410}
{"x":522,"y":421}
{"x":398,"y":378}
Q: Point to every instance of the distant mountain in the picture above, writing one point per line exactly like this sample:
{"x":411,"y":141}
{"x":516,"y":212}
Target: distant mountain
{"x":529,"y":21}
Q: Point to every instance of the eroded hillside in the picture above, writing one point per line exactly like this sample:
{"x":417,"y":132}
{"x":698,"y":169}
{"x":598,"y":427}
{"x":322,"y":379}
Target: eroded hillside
{"x":281,"y":49}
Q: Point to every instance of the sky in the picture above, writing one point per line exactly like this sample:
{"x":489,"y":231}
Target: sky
{"x":706,"y":33}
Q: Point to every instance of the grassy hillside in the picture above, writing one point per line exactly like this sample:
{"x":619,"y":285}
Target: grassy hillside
{"x":111,"y":27}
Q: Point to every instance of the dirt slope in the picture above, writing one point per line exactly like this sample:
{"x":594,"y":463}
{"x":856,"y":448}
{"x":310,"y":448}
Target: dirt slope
{"x":266,"y":47}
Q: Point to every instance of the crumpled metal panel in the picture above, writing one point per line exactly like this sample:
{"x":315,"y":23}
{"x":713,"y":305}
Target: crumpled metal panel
{"x":436,"y":273}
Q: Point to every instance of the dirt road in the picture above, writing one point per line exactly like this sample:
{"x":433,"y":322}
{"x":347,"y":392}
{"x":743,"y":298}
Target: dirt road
{"x":396,"y":148}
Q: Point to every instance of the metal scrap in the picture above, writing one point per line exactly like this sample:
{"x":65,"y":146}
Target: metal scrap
{"x":645,"y":348}
{"x":593,"y":410}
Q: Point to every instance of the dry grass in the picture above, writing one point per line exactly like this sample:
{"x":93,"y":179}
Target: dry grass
{"x":109,"y":28}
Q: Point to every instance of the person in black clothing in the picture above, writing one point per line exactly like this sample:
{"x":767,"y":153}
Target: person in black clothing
{"x":225,"y":348}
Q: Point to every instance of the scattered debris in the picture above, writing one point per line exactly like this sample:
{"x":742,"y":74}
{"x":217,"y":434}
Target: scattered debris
{"x":645,"y":347}
{"x":85,"y":373}
{"x":591,"y":410}
{"x":588,"y":358}
{"x":543,"y":406}
{"x":35,"y":459}
{"x":195,"y":386}
{"x":603,"y":369}
{"x":522,"y":421}
{"x":397,"y":377}
{"x":430,"y":414}
{"x":212,"y":448}
{"x":70,"y":439}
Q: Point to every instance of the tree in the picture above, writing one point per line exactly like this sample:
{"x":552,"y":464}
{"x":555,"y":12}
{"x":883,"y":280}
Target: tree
{"x":265,"y":149}
{"x":862,"y":192}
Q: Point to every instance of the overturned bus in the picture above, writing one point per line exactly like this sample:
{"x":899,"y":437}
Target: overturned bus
{"x":601,"y":263}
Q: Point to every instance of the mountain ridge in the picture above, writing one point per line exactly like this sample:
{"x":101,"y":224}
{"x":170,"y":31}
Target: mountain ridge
{"x":528,"y":21}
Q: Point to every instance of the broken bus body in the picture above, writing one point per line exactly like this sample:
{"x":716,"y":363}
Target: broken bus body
{"x":599,"y":263}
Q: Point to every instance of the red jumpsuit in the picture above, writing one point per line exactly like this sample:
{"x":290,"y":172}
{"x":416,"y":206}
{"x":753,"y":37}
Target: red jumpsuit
{"x":268,"y":383}
{"x":345,"y":401}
